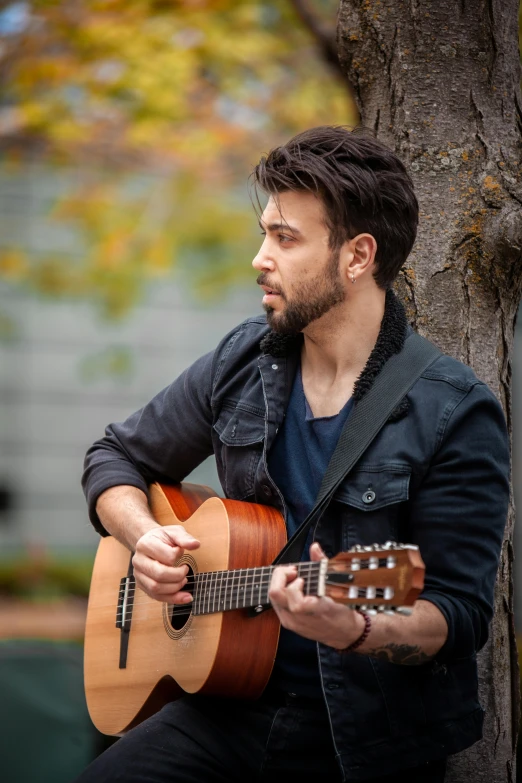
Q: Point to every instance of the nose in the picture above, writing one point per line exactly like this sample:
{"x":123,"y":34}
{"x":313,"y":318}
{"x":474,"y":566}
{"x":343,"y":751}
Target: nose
{"x":263,"y":261}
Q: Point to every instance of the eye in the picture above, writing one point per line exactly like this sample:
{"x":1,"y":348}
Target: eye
{"x":285,"y":238}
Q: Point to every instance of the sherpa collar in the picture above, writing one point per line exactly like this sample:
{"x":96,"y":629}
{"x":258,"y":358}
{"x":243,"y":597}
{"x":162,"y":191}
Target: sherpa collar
{"x":392,"y":334}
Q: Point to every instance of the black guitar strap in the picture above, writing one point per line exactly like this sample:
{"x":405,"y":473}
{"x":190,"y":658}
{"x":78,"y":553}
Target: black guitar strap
{"x":366,"y":420}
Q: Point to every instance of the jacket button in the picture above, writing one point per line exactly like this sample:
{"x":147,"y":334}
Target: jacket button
{"x":369,"y":496}
{"x":266,"y":489}
{"x":275,"y":367}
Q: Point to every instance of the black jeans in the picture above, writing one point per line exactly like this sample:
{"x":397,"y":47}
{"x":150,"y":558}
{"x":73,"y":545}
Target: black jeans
{"x":204,"y":740}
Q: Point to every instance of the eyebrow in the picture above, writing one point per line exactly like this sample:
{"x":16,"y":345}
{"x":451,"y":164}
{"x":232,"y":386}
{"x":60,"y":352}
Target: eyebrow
{"x":279,"y":227}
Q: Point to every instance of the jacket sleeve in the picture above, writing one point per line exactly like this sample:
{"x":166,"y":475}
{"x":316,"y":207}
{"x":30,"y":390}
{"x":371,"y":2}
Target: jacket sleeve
{"x":458,"y":517}
{"x":164,"y":441}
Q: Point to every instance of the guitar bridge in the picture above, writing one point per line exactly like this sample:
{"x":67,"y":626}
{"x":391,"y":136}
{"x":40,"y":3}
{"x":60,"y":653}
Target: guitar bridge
{"x":125,"y":603}
{"x":124,"y":613}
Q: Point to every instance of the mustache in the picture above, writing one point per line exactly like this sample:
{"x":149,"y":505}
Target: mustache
{"x":262,"y":279}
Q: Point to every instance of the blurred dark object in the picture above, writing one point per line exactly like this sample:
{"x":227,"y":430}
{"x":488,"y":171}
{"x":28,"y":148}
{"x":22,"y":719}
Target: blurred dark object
{"x":47,"y":735}
{"x":6,"y":503}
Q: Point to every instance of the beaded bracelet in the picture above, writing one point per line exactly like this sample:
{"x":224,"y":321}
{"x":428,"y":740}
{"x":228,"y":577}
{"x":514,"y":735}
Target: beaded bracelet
{"x":362,"y":638}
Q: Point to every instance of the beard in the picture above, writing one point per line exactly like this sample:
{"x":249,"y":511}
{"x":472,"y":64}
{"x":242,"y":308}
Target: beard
{"x":310,"y":300}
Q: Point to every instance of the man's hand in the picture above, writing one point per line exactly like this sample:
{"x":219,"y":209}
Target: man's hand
{"x":156,"y":552}
{"x":320,"y":619}
{"x":409,"y":641}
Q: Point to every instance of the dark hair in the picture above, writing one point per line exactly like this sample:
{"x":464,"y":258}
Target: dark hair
{"x":363,"y":185}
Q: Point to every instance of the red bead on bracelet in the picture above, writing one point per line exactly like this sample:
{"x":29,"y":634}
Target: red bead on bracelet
{"x":362,"y":638}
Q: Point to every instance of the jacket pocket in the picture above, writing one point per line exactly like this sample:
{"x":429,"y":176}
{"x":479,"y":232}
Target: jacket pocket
{"x":370,"y":501}
{"x":241,"y":432}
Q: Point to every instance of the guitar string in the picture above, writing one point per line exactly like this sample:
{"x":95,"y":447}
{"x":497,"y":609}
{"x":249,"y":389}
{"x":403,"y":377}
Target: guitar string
{"x":185,"y":609}
{"x":254,"y":583}
{"x":232,"y":588}
{"x":246,"y":573}
{"x":261,"y":580}
{"x":241,"y":579}
{"x":304,"y":571}
{"x":237,"y":598}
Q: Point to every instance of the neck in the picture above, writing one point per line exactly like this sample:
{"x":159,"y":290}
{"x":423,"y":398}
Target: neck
{"x":337,"y":346}
{"x":390,"y":340}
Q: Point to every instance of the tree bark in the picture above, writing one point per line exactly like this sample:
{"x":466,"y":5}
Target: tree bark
{"x":439,"y":82}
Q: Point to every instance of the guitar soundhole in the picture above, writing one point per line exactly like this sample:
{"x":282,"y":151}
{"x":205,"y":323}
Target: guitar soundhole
{"x":180,"y":615}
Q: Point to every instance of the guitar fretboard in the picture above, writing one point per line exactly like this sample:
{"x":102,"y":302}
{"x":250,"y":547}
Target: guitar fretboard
{"x":220,"y":591}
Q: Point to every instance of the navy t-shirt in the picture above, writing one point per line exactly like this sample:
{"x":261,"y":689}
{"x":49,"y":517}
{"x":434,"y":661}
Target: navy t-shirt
{"x":297,"y":463}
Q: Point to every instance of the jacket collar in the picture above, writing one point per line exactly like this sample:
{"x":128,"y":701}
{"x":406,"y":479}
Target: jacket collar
{"x":392,"y":334}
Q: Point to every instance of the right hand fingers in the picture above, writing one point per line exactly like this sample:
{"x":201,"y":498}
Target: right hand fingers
{"x":166,"y":544}
{"x":171,"y":593}
{"x":158,"y":572}
{"x":156,"y":552}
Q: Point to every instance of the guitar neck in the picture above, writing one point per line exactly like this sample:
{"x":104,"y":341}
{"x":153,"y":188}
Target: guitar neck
{"x":220,"y":591}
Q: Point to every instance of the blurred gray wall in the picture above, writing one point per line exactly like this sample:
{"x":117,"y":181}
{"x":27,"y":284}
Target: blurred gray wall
{"x":57,"y":396}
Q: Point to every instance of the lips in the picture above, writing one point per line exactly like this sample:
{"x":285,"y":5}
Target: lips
{"x":271,"y":291}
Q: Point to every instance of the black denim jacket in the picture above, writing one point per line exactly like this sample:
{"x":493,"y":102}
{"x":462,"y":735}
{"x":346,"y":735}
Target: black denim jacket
{"x":439,"y":472}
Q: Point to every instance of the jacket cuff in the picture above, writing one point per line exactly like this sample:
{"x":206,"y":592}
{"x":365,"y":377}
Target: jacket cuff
{"x":463,"y":641}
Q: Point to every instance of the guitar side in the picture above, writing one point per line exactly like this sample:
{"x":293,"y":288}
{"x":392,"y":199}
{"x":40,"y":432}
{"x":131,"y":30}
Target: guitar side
{"x":224,"y":653}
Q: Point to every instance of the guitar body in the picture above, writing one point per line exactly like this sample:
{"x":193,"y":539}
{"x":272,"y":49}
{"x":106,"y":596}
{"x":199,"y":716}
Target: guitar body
{"x":131,"y":673}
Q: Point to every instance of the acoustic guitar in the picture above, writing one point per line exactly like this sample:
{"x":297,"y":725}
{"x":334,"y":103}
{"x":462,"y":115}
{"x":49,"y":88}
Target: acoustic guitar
{"x":141,"y":653}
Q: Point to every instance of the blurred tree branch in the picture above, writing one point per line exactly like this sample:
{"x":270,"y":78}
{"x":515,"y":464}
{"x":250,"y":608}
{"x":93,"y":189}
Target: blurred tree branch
{"x":325,"y":36}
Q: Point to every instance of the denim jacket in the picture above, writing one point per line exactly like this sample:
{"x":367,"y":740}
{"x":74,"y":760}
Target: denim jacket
{"x":438,"y":471}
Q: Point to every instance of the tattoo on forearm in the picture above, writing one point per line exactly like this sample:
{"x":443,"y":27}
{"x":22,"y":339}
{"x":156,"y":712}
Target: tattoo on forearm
{"x":405,"y":654}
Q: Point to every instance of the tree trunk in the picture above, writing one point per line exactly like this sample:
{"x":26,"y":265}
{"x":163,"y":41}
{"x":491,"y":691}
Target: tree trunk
{"x":438,"y":81}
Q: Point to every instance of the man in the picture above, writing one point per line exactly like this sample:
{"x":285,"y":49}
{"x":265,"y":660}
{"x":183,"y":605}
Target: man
{"x":351,"y":697}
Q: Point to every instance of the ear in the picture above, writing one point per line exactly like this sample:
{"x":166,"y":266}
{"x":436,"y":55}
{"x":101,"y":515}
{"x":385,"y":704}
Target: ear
{"x":358,"y":255}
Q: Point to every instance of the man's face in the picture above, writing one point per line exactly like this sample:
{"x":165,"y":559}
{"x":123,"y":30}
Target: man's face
{"x":298,"y":271}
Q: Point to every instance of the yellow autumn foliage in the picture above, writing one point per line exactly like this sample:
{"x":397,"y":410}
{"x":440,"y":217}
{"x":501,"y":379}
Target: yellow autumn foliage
{"x":160,"y":109}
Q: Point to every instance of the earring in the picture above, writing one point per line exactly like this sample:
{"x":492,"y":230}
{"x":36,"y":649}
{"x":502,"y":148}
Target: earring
{"x":353,"y":279}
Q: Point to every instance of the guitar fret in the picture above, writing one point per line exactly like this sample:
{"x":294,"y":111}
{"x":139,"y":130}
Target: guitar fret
{"x":252,"y":584}
{"x":220,"y":579}
{"x":265,"y":584}
{"x":225,"y":600}
{"x":214,"y":593}
{"x":235,"y":587}
{"x":248,"y":580}
{"x":247,"y":585}
{"x":309,"y":572}
{"x":210,"y":592}
{"x":240,"y":586}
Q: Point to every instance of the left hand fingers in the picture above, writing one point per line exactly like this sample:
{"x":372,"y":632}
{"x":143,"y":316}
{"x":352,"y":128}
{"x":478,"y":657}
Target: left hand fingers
{"x":298,"y":602}
{"x":286,"y":592}
{"x":281,"y":578}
